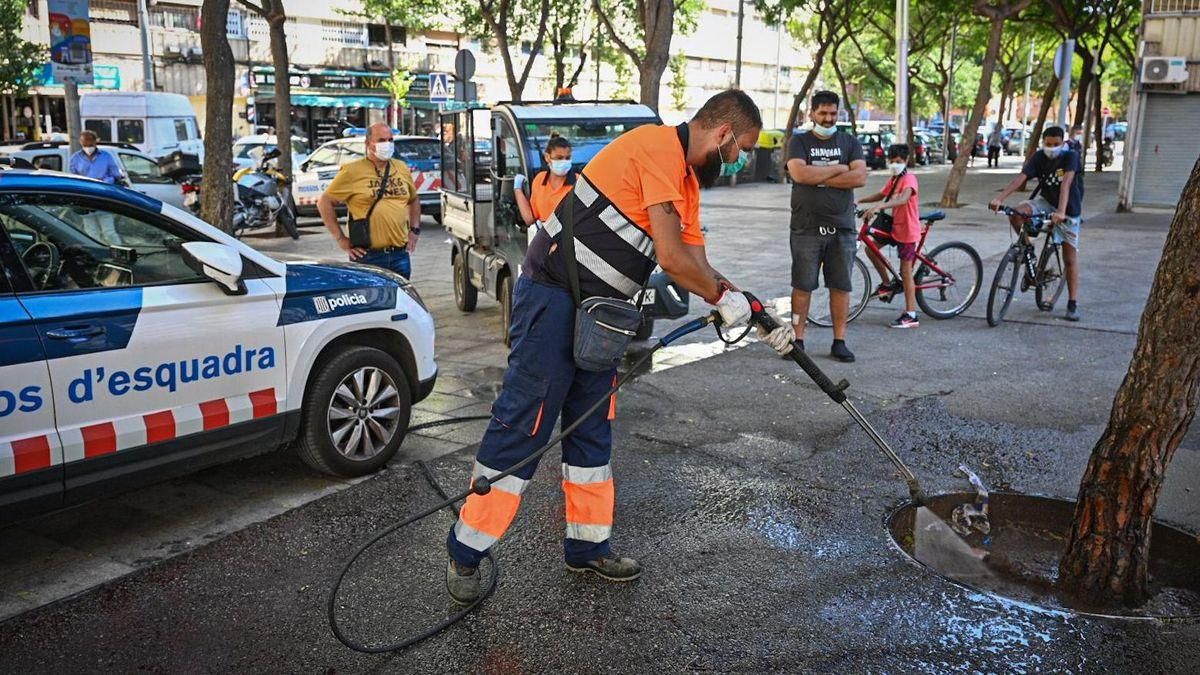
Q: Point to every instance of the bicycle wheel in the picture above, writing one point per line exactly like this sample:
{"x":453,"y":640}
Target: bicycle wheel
{"x":957,"y":286}
{"x":1050,"y":278}
{"x":860,"y":293}
{"x":1001,"y":295}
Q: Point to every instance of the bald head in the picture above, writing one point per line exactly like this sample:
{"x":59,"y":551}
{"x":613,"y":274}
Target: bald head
{"x":377,"y":133}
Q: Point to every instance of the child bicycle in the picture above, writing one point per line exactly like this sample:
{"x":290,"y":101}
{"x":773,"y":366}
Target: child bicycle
{"x":1043,"y":273}
{"x":947,"y":279}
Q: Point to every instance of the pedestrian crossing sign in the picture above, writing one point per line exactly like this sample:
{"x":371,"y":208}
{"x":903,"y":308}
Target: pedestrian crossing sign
{"x":439,"y":87}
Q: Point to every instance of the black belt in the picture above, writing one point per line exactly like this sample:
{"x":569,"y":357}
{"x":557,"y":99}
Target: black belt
{"x":387,"y":249}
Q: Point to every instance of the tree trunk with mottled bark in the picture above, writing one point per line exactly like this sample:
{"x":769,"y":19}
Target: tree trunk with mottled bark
{"x":216,"y":203}
{"x":1108,"y":549}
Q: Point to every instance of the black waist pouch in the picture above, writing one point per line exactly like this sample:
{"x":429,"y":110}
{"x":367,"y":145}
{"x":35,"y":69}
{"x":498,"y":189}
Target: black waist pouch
{"x":358,"y":230}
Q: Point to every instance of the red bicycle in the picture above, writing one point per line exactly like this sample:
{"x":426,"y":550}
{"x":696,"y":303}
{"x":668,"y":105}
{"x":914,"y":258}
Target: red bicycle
{"x":947,"y":278}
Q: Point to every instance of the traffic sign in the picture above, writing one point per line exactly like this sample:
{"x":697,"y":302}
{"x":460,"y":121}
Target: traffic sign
{"x":464,"y":65}
{"x":439,"y":87}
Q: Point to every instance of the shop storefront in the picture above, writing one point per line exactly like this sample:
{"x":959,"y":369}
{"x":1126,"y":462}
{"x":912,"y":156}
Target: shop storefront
{"x":43,"y":111}
{"x":324,"y":102}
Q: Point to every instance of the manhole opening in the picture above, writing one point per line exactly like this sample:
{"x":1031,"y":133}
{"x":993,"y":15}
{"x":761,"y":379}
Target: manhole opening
{"x":1023,"y":547}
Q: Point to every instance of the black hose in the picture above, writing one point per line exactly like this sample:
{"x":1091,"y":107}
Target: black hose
{"x":479,"y":485}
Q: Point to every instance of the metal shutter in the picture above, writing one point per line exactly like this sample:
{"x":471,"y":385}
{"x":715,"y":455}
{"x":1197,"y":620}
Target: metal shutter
{"x":1168,"y":148}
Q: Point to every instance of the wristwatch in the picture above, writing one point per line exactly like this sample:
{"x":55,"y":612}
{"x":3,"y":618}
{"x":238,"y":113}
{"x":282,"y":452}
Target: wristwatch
{"x":415,"y":230}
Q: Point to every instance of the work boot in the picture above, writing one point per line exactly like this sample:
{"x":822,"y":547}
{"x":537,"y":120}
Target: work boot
{"x":462,"y":583}
{"x":841,"y":352}
{"x":610,"y":567}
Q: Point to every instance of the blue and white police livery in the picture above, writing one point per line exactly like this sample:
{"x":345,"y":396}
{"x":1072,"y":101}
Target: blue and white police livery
{"x":138,"y":342}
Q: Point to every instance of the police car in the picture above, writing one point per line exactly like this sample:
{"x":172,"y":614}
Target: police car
{"x":138,"y":342}
{"x":420,"y":153}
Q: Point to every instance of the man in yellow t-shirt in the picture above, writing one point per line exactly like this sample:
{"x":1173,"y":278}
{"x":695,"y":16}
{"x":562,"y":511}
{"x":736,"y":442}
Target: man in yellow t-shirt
{"x":396,"y":220}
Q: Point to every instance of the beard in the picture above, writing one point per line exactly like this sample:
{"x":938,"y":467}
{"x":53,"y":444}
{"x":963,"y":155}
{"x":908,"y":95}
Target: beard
{"x":708,"y":174}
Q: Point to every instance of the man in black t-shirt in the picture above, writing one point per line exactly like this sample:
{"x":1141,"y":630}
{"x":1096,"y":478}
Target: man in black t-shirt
{"x":825,"y":165}
{"x":1056,"y":166}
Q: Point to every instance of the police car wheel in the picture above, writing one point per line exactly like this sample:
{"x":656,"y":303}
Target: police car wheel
{"x":356,"y":413}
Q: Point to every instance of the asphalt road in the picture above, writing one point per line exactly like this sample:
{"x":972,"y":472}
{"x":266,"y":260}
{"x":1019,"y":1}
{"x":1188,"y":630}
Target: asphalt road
{"x":755,"y":506}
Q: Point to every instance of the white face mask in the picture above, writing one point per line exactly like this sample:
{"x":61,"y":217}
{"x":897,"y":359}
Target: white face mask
{"x":384,"y":150}
{"x":560,"y":167}
{"x":89,"y":150}
{"x":823,"y":132}
{"x":897,"y":168}
{"x":1052,"y":152}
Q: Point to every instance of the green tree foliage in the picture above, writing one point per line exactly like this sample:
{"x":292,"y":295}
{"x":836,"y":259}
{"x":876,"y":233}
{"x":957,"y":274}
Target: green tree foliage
{"x":679,"y":85}
{"x":412,"y":14}
{"x":399,"y":82}
{"x":642,"y":30}
{"x":510,"y":24}
{"x":20,"y":60}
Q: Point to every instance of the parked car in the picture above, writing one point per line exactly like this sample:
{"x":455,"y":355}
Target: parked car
{"x":247,"y":149}
{"x":919,"y":150}
{"x":143,"y":171}
{"x":980,"y":147}
{"x":421,"y":153}
{"x":141,"y":343}
{"x":1116,"y":131}
{"x":875,"y":146}
{"x":156,"y":122}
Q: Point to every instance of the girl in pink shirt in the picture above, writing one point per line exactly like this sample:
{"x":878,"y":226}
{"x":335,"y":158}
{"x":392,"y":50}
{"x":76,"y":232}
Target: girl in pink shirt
{"x":899,"y":195}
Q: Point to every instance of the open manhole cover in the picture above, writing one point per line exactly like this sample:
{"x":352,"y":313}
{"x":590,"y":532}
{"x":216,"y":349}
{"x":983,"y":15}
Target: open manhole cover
{"x":1018,"y":557}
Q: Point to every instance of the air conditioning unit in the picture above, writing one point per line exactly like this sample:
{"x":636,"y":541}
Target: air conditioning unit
{"x":1164,"y":70}
{"x":172,"y":52}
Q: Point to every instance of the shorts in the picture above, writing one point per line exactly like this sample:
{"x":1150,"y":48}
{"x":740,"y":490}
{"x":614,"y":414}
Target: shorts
{"x":1065,"y":232}
{"x":834,"y":253}
{"x":907,"y":250}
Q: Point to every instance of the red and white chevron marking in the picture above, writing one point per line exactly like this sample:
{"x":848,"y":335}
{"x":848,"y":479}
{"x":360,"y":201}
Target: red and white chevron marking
{"x":426,"y":181}
{"x":134,"y":431}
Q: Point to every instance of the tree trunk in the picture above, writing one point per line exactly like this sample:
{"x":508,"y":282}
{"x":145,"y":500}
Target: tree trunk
{"x":793,"y":120}
{"x":1086,"y":78}
{"x":1005,"y":91}
{"x":217,"y":191}
{"x":967,"y":140}
{"x":1109,"y":545}
{"x":1035,"y":134}
{"x":841,"y":78}
{"x":1098,"y":124}
{"x":283,"y":94}
{"x":659,"y":27}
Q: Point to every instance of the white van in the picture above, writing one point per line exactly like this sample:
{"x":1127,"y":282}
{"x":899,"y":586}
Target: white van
{"x":158,"y":123}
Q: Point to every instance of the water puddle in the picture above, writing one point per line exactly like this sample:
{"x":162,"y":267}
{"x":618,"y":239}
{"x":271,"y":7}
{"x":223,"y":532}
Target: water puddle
{"x":1017,"y":557}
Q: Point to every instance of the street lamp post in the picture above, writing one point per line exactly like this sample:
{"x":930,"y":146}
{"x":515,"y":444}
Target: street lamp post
{"x":1062,"y":63}
{"x":946,"y":136}
{"x":778,"y":69}
{"x":902,"y":71}
{"x":737,"y":73}
{"x":147,"y":66}
{"x":1025,"y":119}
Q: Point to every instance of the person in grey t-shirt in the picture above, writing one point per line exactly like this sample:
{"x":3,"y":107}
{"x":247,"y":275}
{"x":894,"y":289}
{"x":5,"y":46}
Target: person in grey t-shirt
{"x":825,"y":166}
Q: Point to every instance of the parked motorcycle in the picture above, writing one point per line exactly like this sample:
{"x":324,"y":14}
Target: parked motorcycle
{"x":263,"y":197}
{"x":1106,"y":153}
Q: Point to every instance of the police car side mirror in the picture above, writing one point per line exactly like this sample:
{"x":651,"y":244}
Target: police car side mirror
{"x":219,"y":262}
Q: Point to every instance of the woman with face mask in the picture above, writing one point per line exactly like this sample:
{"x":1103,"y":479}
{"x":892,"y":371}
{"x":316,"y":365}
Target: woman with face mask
{"x":548,"y":186}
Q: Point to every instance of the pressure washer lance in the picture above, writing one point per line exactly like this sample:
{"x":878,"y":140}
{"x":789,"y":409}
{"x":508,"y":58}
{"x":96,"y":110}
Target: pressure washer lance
{"x":837,"y":392}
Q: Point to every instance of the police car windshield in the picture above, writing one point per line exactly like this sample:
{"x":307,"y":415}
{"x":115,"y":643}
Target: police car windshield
{"x":586,"y":138}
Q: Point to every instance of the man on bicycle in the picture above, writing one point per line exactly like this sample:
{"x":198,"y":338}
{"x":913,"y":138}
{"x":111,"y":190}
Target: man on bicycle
{"x":1058,"y":193}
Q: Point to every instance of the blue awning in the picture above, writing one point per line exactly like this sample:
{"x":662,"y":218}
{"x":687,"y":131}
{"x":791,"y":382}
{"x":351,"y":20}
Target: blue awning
{"x":324,"y":101}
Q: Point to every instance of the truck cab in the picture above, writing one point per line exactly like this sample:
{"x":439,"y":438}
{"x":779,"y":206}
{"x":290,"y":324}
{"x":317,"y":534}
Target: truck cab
{"x":483,"y":149}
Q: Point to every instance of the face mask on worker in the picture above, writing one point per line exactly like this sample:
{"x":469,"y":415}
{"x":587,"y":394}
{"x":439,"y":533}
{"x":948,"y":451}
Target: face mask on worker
{"x":897,"y":167}
{"x":1079,"y":138}
{"x":1052,"y":152}
{"x":560,"y":167}
{"x":731,"y":168}
{"x":89,"y":150}
{"x":384,"y":150}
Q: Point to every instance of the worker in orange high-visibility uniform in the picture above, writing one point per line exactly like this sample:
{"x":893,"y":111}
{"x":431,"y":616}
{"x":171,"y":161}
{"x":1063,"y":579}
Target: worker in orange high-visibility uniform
{"x":636,"y":201}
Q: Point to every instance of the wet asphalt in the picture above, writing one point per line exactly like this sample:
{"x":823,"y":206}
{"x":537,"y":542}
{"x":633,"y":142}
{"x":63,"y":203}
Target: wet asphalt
{"x":759,"y":518}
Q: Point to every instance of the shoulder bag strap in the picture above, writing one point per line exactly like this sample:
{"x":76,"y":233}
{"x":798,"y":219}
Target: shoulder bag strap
{"x":568,"y":249}
{"x":895,"y":184}
{"x":382,"y":189}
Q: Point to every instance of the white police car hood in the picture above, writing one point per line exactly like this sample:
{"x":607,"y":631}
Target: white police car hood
{"x":332,"y":289}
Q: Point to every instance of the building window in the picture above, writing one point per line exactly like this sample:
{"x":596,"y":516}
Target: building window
{"x":257,"y":29}
{"x":175,"y":18}
{"x":235,"y":27}
{"x":113,"y":11}
{"x":344,"y":33}
{"x":717,"y":65}
{"x":377,"y":36}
